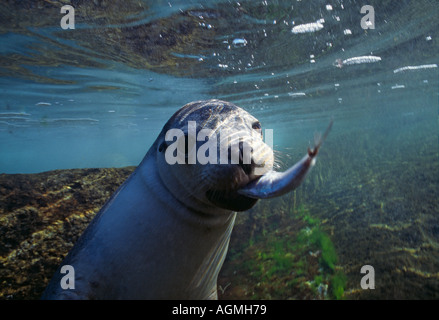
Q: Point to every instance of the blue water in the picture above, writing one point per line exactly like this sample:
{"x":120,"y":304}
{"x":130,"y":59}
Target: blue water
{"x":98,"y":96}
{"x":50,"y":126}
{"x":59,"y":112}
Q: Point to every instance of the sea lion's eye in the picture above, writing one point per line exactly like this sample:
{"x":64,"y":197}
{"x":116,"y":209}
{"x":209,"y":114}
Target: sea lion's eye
{"x":257,"y":126}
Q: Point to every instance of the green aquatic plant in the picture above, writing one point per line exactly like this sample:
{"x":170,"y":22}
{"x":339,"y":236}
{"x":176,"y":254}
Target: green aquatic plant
{"x":301,"y":211}
{"x":316,"y":283}
{"x":318,"y":280}
{"x":338,"y":283}
{"x":311,"y":221}
{"x":312,"y":235}
{"x":324,"y":243}
{"x":278,"y":259}
{"x":293,"y":258}
{"x":315,"y":236}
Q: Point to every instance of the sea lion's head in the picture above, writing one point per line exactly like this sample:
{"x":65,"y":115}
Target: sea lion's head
{"x":210,"y":149}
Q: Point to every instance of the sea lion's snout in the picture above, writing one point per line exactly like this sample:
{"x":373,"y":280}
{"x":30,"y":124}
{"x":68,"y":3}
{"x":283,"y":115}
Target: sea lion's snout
{"x":249,"y":158}
{"x":255,"y":157}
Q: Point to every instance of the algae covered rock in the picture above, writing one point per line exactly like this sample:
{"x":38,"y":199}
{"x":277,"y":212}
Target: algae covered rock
{"x":41,"y":217}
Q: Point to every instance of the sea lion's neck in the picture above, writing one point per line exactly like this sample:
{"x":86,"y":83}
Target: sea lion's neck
{"x":192,"y":211}
{"x":206,"y":237}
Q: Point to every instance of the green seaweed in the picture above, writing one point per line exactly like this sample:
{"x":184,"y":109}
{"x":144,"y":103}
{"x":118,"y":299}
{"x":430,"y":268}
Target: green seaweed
{"x":313,"y":236}
{"x":291,"y":256}
{"x":324,"y":243}
{"x":338,"y":283}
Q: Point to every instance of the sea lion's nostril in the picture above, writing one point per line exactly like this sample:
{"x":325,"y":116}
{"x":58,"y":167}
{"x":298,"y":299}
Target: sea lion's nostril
{"x":248,"y":168}
{"x":242,"y":156}
{"x":245,"y":160}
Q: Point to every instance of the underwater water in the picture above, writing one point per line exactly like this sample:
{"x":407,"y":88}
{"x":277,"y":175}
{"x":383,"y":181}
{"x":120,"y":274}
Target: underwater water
{"x":98,"y":95}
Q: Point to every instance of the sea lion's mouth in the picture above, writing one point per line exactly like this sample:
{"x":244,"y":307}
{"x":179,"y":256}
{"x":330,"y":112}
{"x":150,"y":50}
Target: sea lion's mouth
{"x":274,"y":184}
{"x":230,"y":200}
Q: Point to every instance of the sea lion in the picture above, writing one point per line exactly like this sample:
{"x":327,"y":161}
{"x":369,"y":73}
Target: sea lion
{"x":164,"y":234}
